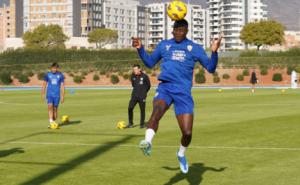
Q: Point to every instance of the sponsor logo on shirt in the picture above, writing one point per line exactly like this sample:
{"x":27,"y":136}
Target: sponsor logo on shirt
{"x":178,"y":55}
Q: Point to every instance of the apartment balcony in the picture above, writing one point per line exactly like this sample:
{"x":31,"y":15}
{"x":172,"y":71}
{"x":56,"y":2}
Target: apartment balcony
{"x":233,"y":35}
{"x":231,"y":23}
{"x":232,"y":16}
{"x":214,"y":12}
{"x":157,"y":10}
{"x":159,"y":28}
{"x":198,"y":29}
{"x":212,"y":1}
{"x":215,"y":30}
{"x":156,"y":36}
{"x":160,"y":23}
{"x":160,"y":16}
{"x":231,"y":4}
{"x":236,"y":41}
{"x":232,"y":29}
{"x":214,"y":7}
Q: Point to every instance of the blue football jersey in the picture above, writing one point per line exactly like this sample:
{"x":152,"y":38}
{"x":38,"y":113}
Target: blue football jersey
{"x":178,"y":61}
{"x":54,"y":81}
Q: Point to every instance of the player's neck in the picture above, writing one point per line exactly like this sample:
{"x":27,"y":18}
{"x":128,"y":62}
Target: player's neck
{"x":181,"y":41}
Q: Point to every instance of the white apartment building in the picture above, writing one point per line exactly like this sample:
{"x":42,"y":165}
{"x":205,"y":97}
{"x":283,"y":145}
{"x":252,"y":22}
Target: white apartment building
{"x":123,"y":17}
{"x":160,"y":25}
{"x":65,"y":13}
{"x":227,"y":17}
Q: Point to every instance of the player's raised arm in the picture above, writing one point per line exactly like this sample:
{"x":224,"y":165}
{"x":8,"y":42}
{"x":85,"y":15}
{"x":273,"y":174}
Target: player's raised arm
{"x":210,"y":64}
{"x":149,"y":60}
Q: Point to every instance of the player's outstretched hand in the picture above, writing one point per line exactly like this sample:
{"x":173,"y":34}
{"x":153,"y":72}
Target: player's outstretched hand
{"x":216,"y":44}
{"x":136,"y":42}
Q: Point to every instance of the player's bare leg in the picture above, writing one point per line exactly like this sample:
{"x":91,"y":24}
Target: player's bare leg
{"x":55,"y":113}
{"x":159,"y":109}
{"x":50,"y":112}
{"x":185,"y":122}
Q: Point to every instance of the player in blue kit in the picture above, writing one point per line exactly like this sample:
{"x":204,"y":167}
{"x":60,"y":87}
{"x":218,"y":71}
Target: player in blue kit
{"x":54,"y":83}
{"x":178,"y":57}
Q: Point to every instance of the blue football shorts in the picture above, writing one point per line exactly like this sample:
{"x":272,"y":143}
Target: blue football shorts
{"x":179,"y":96}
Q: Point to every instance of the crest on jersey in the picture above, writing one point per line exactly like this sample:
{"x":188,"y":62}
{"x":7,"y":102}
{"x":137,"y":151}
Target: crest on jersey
{"x":168,"y":47}
{"x":190,"y":48}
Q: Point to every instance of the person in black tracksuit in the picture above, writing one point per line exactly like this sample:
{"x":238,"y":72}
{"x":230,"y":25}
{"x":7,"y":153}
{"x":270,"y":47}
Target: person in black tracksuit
{"x":253,"y":81}
{"x":141,"y":85}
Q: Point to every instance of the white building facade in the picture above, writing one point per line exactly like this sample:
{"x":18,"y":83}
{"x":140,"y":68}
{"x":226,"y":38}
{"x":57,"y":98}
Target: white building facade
{"x":161,"y":26}
{"x":65,"y":13}
{"x":227,"y":17}
{"x":122,"y":17}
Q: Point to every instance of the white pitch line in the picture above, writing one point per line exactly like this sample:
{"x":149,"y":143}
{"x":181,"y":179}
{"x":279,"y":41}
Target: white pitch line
{"x":161,"y":146}
{"x":6,"y":103}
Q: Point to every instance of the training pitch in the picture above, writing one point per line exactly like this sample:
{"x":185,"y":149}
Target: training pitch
{"x":239,"y":138}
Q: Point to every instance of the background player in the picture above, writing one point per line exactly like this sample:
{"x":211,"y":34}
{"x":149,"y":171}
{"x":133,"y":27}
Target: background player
{"x":54,"y":83}
{"x":179,"y":56}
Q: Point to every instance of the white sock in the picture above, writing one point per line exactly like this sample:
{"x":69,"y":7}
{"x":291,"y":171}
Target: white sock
{"x":181,"y":151}
{"x":149,"y":135}
{"x":50,"y":120}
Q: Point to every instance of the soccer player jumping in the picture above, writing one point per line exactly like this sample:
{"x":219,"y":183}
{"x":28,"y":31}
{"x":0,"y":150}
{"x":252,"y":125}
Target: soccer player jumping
{"x":54,"y":82}
{"x":179,"y":56}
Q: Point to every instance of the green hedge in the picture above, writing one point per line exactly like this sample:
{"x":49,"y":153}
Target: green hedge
{"x":200,"y":77}
{"x":114,"y":79}
{"x":264,"y":71}
{"x":96,"y":77}
{"x":22,"y":78}
{"x":240,"y":77}
{"x":254,"y":53}
{"x":5,"y":78}
{"x":246,"y":72}
{"x":226,"y":76}
{"x":216,"y":79}
{"x":41,"y":75}
{"x":35,"y":56}
{"x":277,"y":77}
{"x":78,"y":79}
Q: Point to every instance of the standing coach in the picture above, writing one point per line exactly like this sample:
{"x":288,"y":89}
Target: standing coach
{"x":141,"y":85}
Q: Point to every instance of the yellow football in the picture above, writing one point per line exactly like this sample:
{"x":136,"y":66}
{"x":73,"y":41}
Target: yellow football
{"x":177,"y":10}
{"x":54,"y":126}
{"x":65,"y":119}
{"x":121,"y":125}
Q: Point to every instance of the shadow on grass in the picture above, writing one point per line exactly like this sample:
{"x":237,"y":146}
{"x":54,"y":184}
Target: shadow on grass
{"x":194,"y":176}
{"x":5,"y":153}
{"x":75,"y":162}
{"x":70,"y":123}
{"x":31,"y":163}
{"x":67,"y":133}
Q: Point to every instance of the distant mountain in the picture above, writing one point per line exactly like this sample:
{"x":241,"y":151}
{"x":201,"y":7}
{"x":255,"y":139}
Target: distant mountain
{"x":286,"y":12}
{"x":4,"y":1}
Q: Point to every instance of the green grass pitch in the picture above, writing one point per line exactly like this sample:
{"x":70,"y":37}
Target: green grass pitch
{"x":239,"y":138}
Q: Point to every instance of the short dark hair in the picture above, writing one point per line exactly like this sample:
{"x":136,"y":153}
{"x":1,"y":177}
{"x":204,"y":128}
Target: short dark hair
{"x":181,"y":23}
{"x":137,"y":65}
{"x":55,"y":64}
